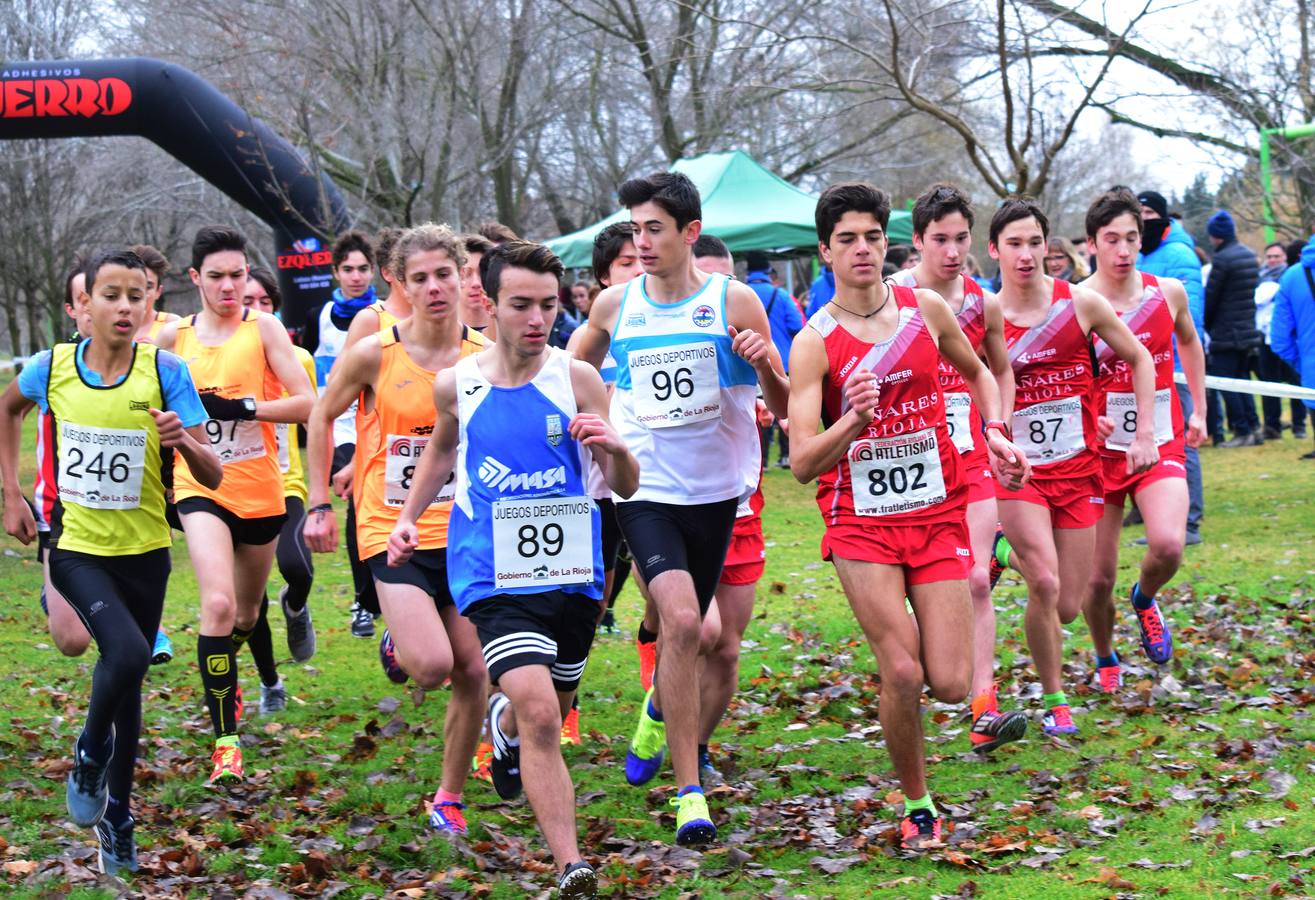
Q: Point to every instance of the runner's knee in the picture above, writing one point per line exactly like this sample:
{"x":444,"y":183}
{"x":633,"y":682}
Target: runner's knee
{"x":428,"y":669}
{"x":539,"y":720}
{"x":470,"y":674}
{"x":902,"y":675}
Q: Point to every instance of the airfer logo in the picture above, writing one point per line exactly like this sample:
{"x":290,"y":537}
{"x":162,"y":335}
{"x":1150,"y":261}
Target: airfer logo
{"x":27,"y":98}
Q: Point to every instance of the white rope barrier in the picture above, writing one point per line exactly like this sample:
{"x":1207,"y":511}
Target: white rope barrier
{"x":1247,"y":386}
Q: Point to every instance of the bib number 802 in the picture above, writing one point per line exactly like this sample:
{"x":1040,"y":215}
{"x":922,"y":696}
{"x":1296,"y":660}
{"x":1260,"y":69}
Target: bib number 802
{"x":680,"y":383}
{"x":533,"y":541}
{"x":897,"y":480}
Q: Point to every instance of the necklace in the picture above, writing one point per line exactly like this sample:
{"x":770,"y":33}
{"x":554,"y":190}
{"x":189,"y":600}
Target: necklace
{"x":867,"y":315}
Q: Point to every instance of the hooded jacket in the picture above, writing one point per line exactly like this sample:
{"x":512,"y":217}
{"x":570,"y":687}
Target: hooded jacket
{"x":1292,"y":330}
{"x":1230,"y":298}
{"x":1176,"y":258}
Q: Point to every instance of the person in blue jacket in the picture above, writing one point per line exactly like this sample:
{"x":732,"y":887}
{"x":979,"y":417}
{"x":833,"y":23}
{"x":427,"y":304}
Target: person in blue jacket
{"x":1167,"y":250}
{"x":1292,"y":330}
{"x":783,"y":316}
{"x":821,"y":291}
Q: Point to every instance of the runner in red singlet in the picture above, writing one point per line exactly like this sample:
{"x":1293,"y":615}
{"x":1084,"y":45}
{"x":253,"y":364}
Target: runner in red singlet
{"x":1051,"y":521}
{"x":1156,"y":312}
{"x":942,"y":233}
{"x":890,"y":487}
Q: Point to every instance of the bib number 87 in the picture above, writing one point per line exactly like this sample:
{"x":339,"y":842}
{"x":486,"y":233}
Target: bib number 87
{"x":665,"y":383}
{"x":532,"y":540}
{"x":897,"y":480}
{"x":1040,"y":432}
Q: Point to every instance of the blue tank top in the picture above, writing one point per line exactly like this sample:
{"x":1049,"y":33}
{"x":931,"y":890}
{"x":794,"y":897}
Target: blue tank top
{"x":522,"y":520}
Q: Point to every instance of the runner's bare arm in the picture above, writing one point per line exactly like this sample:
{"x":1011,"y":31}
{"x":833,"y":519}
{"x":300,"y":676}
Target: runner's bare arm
{"x":593,"y":429}
{"x":194,"y":446}
{"x":432,"y":472}
{"x":751,"y":336}
{"x":997,"y":354}
{"x":812,"y":453}
{"x":357,"y":371}
{"x":295,"y":407}
{"x":18,"y":516}
{"x":364,"y":324}
{"x":1192,"y":355}
{"x":168,"y":335}
{"x":1096,"y":316}
{"x":596,"y":335}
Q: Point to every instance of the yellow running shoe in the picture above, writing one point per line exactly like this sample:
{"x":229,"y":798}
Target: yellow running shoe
{"x":694,"y":826}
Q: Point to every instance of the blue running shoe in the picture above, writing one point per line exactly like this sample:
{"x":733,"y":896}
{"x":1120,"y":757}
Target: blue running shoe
{"x":1058,"y":721}
{"x":1156,"y":640}
{"x":448,"y":817}
{"x":648,"y":748}
{"x":163,"y":650}
{"x":87,"y":792}
{"x":388,"y":659}
{"x":118,"y":850}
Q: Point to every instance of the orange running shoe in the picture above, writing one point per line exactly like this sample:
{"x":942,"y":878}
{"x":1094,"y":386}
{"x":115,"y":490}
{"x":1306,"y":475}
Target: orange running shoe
{"x":479,"y":766}
{"x":228,"y":761}
{"x":920,"y":828}
{"x":571,"y":727}
{"x":647,"y":663}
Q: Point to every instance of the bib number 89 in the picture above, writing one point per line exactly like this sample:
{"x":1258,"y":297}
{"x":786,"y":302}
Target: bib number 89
{"x":531,"y":540}
{"x":665,"y":383}
{"x":896,"y":480}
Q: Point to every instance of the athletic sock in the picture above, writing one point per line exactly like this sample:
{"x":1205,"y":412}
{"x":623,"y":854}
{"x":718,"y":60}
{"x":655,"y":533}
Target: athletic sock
{"x":923,"y":802}
{"x":1002,"y":550}
{"x":983,"y":702}
{"x":116,"y":813}
{"x":644,"y":636}
{"x":653,"y":713}
{"x":1059,"y":698}
{"x":690,"y":789}
{"x":575,"y":703}
{"x":241,"y":636}
{"x":261,"y":643}
{"x":1104,"y":662}
{"x":703,"y":751}
{"x":1140,"y":600}
{"x":442,"y":796}
{"x":219,"y":681}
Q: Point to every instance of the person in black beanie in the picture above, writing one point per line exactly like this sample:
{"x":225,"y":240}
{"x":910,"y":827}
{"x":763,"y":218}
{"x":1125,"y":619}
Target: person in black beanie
{"x":1230,"y":320}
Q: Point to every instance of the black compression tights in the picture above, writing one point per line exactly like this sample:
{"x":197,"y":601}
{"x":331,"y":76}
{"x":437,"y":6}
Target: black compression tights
{"x":120,"y":599}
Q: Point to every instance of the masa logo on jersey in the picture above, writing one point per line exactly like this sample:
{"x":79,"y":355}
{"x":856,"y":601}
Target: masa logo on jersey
{"x":502,"y":479}
{"x":703,"y":316}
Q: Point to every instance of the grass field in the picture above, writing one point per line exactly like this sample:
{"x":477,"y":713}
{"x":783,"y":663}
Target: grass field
{"x":1195,"y":781}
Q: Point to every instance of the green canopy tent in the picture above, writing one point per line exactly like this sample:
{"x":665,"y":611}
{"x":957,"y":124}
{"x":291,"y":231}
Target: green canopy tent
{"x":744,"y":204}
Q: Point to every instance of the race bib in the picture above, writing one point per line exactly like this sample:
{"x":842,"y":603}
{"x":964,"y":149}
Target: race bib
{"x":236,"y":441}
{"x":1051,"y":431}
{"x":399,"y":469}
{"x":896,"y":474}
{"x":101,"y":468}
{"x":281,"y":441}
{"x":543,"y":541}
{"x":958,"y":420}
{"x":675,"y":385}
{"x":1122,"y":408}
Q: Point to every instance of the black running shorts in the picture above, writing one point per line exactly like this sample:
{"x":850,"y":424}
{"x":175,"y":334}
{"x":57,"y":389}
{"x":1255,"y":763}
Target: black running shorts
{"x":694,"y":539}
{"x":552,"y":629}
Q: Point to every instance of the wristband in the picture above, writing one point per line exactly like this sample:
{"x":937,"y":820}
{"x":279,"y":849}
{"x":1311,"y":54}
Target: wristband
{"x":228,"y":408}
{"x":999,"y":426}
{"x":323,"y":507}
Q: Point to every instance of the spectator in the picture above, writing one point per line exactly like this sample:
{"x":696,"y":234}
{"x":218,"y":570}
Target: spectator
{"x":1268,"y":365}
{"x":898,"y":255}
{"x":785,"y":321}
{"x":566,"y":322}
{"x":1292,"y":331}
{"x":1063,"y":261}
{"x":1230,"y":320}
{"x":821,"y":291}
{"x":1167,"y":250}
{"x":1276,"y":263}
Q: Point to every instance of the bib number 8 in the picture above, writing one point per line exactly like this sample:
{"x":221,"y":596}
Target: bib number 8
{"x":532,"y":541}
{"x":899,"y":480}
{"x":116,"y":471}
{"x":1130,"y":421}
{"x":681,"y":383}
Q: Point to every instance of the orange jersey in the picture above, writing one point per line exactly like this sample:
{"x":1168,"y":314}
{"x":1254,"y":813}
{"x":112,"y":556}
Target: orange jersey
{"x":253,"y":484}
{"x":161,"y":319}
{"x":366,"y":434}
{"x":403,"y":418}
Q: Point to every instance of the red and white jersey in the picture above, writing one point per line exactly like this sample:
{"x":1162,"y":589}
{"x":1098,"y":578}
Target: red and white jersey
{"x":1054,"y":398}
{"x":1151,"y":320}
{"x":961,"y":414}
{"x":749,"y":514}
{"x":45,"y":492}
{"x":903,"y":467}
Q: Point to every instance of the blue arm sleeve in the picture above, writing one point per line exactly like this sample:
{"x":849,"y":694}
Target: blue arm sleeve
{"x":34,"y":380}
{"x":179,"y":392}
{"x":1282,"y":329}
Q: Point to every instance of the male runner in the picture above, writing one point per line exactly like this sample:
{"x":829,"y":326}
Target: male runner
{"x":890,"y":486}
{"x":242,"y":360}
{"x":115,"y":404}
{"x":1156,"y":311}
{"x":525,"y":557}
{"x":326,"y":337}
{"x":691,"y":350}
{"x":1050,"y":523}
{"x":393,"y":372}
{"x":475,"y":311}
{"x":942,"y":234}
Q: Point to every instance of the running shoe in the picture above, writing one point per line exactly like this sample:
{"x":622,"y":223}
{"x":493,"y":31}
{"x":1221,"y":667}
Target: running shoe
{"x":991,"y":728}
{"x":45,"y":607}
{"x":708,"y":773}
{"x":87,"y":793}
{"x":1058,"y":720}
{"x":920,"y":828}
{"x":362,"y":622}
{"x":163,"y":651}
{"x":571,"y":727}
{"x":647,"y":662}
{"x":647,"y":748}
{"x":1110,"y":678}
{"x":388,"y":659}
{"x":996,"y":567}
{"x":578,"y":882}
{"x":118,"y":851}
{"x":273,"y":698}
{"x":479,"y":766}
{"x":228,"y":761}
{"x":301,"y":631}
{"x":608,"y":623}
{"x":694,"y":826}
{"x":1156,"y":641}
{"x":447,"y":817}
{"x":505,"y":767}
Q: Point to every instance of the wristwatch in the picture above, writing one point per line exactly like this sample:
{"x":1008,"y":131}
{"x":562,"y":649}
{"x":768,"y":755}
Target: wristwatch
{"x":249,"y":404}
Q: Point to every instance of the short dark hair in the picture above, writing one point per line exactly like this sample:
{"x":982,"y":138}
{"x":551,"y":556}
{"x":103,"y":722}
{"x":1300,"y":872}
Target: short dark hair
{"x":496,"y":233}
{"x":518,"y":254}
{"x":849,"y":196}
{"x":1109,"y":206}
{"x":937,"y":202}
{"x":608,"y":245}
{"x":123,"y":257}
{"x":156,"y":261}
{"x":78,"y":267}
{"x":216,"y":239}
{"x":898,"y":254}
{"x":715,"y":247}
{"x":269,"y":283}
{"x":672,"y":191}
{"x":477,"y":243}
{"x":1293,"y":249}
{"x":1015,"y":209}
{"x":1278,"y":244}
{"x":384,"y":242}
{"x":348,"y":242}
